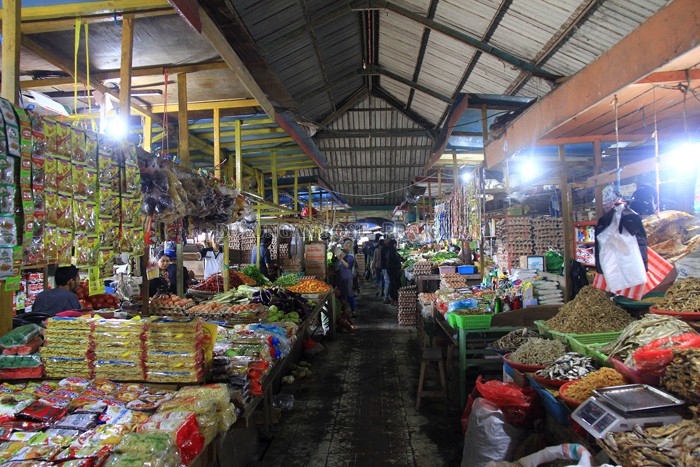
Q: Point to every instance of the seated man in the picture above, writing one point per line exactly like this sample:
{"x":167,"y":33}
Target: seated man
{"x":63,"y":297}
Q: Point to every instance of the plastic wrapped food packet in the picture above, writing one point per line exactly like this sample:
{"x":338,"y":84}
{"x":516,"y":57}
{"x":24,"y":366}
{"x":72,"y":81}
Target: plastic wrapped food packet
{"x":82,"y":422}
{"x":8,"y":449}
{"x":36,"y":453}
{"x":143,"y":460}
{"x":182,"y":427}
{"x":20,"y":336}
{"x":42,"y":412}
{"x":104,"y":435}
{"x":146,"y":443}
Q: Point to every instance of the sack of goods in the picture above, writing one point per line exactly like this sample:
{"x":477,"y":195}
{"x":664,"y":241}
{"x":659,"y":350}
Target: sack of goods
{"x":548,"y":293}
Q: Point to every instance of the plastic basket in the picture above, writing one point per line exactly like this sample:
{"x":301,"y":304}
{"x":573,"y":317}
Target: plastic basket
{"x":599,"y":338}
{"x":469,"y":321}
{"x":589,"y":350}
{"x":542,"y":328}
{"x":447,"y":269}
{"x":552,"y":406}
{"x":466,"y":269}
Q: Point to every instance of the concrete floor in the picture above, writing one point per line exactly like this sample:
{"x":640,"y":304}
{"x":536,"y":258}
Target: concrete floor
{"x":358,"y":407}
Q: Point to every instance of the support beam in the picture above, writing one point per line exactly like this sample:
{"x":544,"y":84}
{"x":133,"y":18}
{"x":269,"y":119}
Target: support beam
{"x":421,"y":52}
{"x":376,"y":149}
{"x":217,"y":146}
{"x":597,"y":168}
{"x":212,"y":33}
{"x":567,"y":219}
{"x":397,"y":132}
{"x":275,"y":193}
{"x":676,"y":76}
{"x":12,"y":12}
{"x":127,"y":53}
{"x":678,"y":23}
{"x":207,"y":105}
{"x":184,"y":134}
{"x":296,"y":190}
{"x":455,"y":173}
{"x":147,"y":133}
{"x":374,"y":70}
{"x":455,"y":34}
{"x":229,"y":134}
{"x":378,"y":91}
{"x":239,"y":156}
{"x":589,"y":139}
{"x":354,"y":99}
{"x":89,"y":9}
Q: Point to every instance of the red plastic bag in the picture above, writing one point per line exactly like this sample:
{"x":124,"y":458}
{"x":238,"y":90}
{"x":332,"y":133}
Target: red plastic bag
{"x":519,"y":405}
{"x":653,"y":357}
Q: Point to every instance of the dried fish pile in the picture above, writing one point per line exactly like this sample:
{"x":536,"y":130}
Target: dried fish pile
{"x":514,"y":339}
{"x":683,"y":375}
{"x":570,"y":366}
{"x":590,"y":312}
{"x":642,"y":332}
{"x":683,"y":295}
{"x":603,"y":378}
{"x":538,"y":352}
{"x":669,"y":445}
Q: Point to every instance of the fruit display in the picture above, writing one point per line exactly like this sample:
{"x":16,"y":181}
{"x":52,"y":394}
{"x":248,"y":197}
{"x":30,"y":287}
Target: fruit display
{"x":310,"y":286}
{"x":95,"y":302}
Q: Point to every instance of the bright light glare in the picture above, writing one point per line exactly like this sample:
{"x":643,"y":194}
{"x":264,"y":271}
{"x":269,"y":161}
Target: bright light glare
{"x":685,"y":156}
{"x":528,"y":169}
{"x":116,"y":128}
{"x":466,"y":176}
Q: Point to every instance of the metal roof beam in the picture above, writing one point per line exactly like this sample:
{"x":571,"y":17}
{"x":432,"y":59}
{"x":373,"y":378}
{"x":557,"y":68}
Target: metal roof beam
{"x":391,"y":100}
{"x":578,"y":17}
{"x":421,"y":52}
{"x":378,"y":166}
{"x":354,"y":99}
{"x":329,"y":86}
{"x":455,"y":34}
{"x":379,"y":70}
{"x":207,"y":105}
{"x":396,"y":132}
{"x":641,"y":49}
{"x":376,"y":148}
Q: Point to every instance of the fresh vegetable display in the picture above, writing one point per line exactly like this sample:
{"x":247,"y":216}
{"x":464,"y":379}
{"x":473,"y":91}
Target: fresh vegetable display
{"x":215,"y":283}
{"x":242,"y":294}
{"x":283,"y":300}
{"x":287,"y":280}
{"x":310,"y":286}
{"x":245,"y":279}
{"x":254,"y":273}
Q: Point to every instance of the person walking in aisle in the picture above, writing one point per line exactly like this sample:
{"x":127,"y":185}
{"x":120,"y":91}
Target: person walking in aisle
{"x":393,"y":268}
{"x":266,"y":265}
{"x":377,"y":266}
{"x":368,"y":250}
{"x":385,"y":271}
{"x":345,"y":267}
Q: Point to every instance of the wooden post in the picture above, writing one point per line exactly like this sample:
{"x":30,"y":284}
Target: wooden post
{"x":484,"y":123}
{"x":183,"y":126}
{"x":566,"y":212}
{"x":11,"y":16}
{"x":227,"y":259}
{"x":239,"y":156}
{"x":273,"y":163}
{"x":597,"y":168}
{"x":311,"y":203}
{"x":217,"y":146}
{"x":482,"y":185}
{"x":430,"y":198}
{"x":147,"y":133}
{"x":455,"y":172}
{"x":180,"y":276}
{"x":145,"y":287}
{"x":257,"y":238}
{"x":296,"y":190}
{"x":125,"y":68}
{"x":261,"y":184}
{"x":11,"y":37}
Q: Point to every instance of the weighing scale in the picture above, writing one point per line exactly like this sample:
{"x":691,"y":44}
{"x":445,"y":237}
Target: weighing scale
{"x":621,"y":408}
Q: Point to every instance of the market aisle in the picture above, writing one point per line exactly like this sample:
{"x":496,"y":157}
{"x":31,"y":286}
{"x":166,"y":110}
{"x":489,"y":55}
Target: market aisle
{"x":358,"y":408}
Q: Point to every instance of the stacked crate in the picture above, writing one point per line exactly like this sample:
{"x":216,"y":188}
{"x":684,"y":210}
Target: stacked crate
{"x":408,"y":306}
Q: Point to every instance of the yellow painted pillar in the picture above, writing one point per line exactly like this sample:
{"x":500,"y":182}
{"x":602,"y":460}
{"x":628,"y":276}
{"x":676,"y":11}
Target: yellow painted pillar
{"x":227,"y":259}
{"x":217,"y":146}
{"x":257,"y":239}
{"x":11,"y":38}
{"x":147,"y":133}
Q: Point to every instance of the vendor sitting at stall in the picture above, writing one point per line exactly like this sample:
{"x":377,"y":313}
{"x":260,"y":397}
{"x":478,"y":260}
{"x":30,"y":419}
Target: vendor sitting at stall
{"x":63,"y":297}
{"x":168,"y":272}
{"x":266,"y":265}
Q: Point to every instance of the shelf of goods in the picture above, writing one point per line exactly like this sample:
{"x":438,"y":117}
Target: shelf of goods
{"x":584,"y":237}
{"x":525,"y":236}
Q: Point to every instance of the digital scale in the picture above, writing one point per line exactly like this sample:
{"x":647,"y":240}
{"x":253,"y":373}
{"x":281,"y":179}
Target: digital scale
{"x":621,"y":408}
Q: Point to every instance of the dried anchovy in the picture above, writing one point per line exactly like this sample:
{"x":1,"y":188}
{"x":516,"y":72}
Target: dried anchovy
{"x":514,"y":339}
{"x":642,"y":332}
{"x":669,"y":445}
{"x":570,"y":366}
{"x":590,"y":312}
{"x":582,"y":390}
{"x":683,"y":295}
{"x":683,"y":375}
{"x":538,"y":352}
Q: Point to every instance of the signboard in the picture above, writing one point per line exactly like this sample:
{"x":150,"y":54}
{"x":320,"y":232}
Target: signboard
{"x":315,"y":260}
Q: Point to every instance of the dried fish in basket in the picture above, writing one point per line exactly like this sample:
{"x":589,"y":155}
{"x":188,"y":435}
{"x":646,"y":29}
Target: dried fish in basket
{"x":683,"y":375}
{"x":590,"y":312}
{"x":514,"y":339}
{"x":568,"y":367}
{"x":683,"y":295}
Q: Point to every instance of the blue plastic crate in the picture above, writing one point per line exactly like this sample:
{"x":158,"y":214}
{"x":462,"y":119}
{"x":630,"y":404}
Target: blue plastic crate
{"x":466,"y":269}
{"x":553,"y":406}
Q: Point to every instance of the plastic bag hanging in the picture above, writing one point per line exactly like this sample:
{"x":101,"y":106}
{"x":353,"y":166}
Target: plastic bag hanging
{"x":619,"y":256}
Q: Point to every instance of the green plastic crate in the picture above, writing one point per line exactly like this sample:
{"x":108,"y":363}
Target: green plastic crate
{"x":589,"y":350}
{"x":469,"y":321}
{"x":542,"y":328}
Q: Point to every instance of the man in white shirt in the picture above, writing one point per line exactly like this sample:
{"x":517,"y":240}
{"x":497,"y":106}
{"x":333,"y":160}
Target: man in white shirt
{"x":213,"y":257}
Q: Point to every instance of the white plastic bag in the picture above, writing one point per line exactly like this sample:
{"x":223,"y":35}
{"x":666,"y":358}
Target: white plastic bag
{"x":489,"y":437}
{"x":578,"y":455}
{"x":619,"y":256}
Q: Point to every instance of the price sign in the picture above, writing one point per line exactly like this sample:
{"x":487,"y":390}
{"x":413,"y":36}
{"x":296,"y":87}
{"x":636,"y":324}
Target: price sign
{"x":96,"y":286}
{"x":152,"y":273}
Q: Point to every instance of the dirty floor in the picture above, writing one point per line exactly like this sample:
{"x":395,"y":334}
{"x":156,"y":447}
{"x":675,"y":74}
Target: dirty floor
{"x":358,"y":408}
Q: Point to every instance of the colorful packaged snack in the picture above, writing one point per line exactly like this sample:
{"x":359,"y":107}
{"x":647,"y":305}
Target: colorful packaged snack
{"x":64,"y":212}
{"x":78,"y":154}
{"x":79,"y":181}
{"x":77,"y":421}
{"x":63,"y":141}
{"x":91,"y":184}
{"x":91,"y":149}
{"x":7,"y":170}
{"x":41,"y":412}
{"x":36,"y":453}
{"x":13,"y":139}
{"x":8,"y":230}
{"x":63,"y":176}
{"x":64,"y":243}
{"x":50,"y":173}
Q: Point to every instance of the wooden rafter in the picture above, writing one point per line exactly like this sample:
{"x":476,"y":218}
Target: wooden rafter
{"x":381,"y":71}
{"x":381,"y":93}
{"x":421,"y":52}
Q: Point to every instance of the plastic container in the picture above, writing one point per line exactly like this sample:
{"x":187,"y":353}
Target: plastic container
{"x":589,"y":350}
{"x":447,"y":269}
{"x":634,"y":376}
{"x":522,"y":367}
{"x":469,"y":321}
{"x":542,"y":328}
{"x":466,"y":269}
{"x":552,"y":406}
{"x":283,"y":401}
{"x":571,"y":403}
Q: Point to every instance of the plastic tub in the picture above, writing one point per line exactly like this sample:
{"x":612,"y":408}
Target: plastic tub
{"x":552,"y":406}
{"x":466,"y":269}
{"x":447,"y":269}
